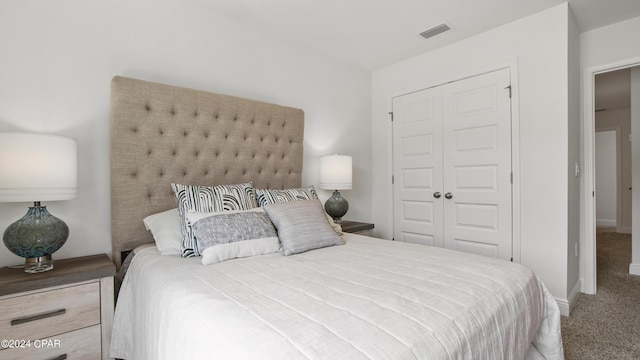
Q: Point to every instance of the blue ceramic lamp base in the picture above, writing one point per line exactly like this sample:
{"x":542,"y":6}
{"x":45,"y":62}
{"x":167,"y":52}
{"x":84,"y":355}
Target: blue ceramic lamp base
{"x":35,"y":237}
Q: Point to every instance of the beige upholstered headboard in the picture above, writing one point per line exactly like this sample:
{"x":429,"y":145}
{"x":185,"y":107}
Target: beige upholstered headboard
{"x":162,"y":134}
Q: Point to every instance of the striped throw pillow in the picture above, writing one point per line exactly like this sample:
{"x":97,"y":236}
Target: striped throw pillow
{"x":269,"y":196}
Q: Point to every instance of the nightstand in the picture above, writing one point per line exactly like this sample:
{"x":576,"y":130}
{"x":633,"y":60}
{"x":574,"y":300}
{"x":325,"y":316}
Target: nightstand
{"x":356,"y":227}
{"x":65,"y":313}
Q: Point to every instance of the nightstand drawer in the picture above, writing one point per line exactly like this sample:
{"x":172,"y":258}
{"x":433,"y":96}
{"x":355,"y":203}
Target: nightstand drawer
{"x":80,"y":344}
{"x":43,"y":314}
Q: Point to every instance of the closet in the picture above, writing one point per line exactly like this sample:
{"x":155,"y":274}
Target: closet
{"x":452,"y":180}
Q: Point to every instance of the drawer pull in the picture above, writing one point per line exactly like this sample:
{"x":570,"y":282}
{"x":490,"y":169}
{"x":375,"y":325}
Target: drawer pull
{"x":61,"y":357}
{"x":37,"y":317}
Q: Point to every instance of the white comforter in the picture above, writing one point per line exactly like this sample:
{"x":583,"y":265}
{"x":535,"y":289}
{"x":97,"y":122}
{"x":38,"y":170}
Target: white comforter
{"x":368,"y":299}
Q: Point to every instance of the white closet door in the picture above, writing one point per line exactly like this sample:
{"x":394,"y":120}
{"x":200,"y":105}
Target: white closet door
{"x":417,"y":167}
{"x":452,"y":166}
{"x":477,"y":165}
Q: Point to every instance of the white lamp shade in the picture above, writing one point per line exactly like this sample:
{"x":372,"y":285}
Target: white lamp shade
{"x":335,"y":172}
{"x":37,"y":167}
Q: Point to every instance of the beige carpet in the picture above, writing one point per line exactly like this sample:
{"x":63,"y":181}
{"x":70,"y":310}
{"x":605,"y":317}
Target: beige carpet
{"x":607,"y":325}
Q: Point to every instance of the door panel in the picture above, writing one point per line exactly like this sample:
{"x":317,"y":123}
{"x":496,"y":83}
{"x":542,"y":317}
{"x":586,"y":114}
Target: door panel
{"x":423,"y":239}
{"x":475,"y":247}
{"x":417,"y":148}
{"x":480,"y":177}
{"x":478,"y":138}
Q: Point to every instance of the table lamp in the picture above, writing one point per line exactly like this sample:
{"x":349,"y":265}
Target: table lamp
{"x":37,"y":167}
{"x":336,"y":174}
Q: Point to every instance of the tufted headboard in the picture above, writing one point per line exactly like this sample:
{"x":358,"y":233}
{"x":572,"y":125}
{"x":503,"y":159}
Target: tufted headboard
{"x":162,"y":134}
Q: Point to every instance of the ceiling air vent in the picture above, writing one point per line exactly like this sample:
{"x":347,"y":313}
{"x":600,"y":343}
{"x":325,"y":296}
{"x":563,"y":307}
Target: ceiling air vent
{"x":438,"y":29}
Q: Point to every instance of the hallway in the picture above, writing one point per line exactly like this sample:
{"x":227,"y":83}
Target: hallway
{"x":607,"y":325}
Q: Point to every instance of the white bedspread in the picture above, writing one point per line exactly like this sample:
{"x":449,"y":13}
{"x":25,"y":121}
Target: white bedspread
{"x":368,"y":299}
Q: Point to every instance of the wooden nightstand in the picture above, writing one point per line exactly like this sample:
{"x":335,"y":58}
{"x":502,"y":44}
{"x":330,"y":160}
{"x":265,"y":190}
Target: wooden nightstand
{"x":65,"y":313}
{"x":356,"y":227}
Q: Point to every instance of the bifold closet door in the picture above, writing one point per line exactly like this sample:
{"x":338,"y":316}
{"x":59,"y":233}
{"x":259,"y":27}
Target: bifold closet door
{"x":452,"y":165}
{"x":417,"y":167}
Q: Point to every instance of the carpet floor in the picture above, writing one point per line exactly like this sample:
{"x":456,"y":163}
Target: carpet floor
{"x":607,"y":325}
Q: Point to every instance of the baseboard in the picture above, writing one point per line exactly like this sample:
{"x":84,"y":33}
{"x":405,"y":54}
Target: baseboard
{"x":624,"y":230}
{"x":573,"y":295}
{"x":565,"y":305}
{"x":605,"y":222}
{"x":634,"y":269}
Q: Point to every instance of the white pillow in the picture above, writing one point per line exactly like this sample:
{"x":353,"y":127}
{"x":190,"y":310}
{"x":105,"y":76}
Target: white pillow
{"x":166,"y":231}
{"x":227,"y":235}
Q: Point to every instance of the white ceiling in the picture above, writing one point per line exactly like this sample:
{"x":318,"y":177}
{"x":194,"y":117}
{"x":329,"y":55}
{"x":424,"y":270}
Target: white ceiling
{"x":374,"y":33}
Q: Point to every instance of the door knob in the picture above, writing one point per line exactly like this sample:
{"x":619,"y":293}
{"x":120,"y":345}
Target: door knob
{"x":437,"y":195}
{"x":448,"y":195}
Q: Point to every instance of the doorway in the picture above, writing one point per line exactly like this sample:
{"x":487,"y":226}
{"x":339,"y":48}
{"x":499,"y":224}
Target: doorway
{"x":607,"y":109}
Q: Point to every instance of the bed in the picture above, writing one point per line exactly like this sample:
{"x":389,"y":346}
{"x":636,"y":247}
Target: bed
{"x":356,"y":298}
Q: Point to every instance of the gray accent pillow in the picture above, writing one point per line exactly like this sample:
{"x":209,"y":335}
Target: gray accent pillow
{"x":209,"y":199}
{"x":233,"y":234}
{"x":269,"y":196}
{"x":302,"y":226}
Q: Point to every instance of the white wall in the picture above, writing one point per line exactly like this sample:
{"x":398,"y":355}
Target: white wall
{"x":58,"y":58}
{"x":536,"y":48}
{"x":606,"y":48}
{"x":574,"y":158}
{"x":606,"y":177}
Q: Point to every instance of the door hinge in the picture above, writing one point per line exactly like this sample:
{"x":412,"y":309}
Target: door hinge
{"x":393,"y":180}
{"x":511,"y":259}
{"x":391,"y":115}
{"x":511,"y":178}
{"x":509,"y":88}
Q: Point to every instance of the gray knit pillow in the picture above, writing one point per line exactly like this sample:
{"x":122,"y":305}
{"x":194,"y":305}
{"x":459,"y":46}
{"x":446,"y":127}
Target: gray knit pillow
{"x":233,"y":234}
{"x":302,"y":226}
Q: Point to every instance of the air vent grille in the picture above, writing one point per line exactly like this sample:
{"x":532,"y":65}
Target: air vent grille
{"x":439,"y":29}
